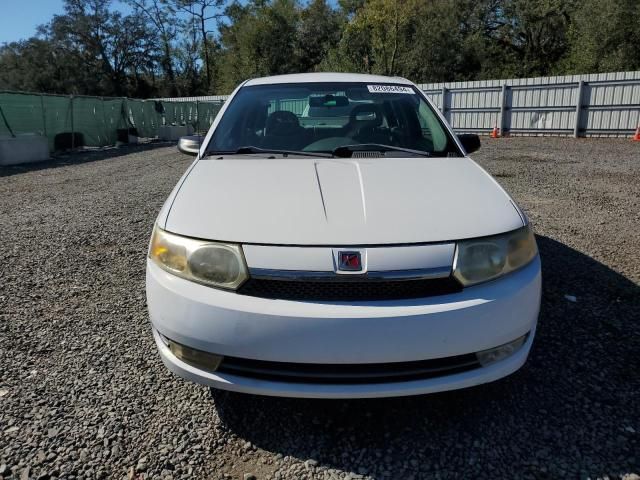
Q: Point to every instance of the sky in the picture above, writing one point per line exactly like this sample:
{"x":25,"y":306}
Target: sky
{"x":20,"y":18}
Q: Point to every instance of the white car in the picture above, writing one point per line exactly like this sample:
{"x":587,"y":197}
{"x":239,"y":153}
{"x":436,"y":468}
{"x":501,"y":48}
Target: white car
{"x":370,"y":258}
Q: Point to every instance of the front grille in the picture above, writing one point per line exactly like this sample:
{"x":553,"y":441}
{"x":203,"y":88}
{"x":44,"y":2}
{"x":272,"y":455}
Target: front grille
{"x":348,"y":373}
{"x":307,"y":290}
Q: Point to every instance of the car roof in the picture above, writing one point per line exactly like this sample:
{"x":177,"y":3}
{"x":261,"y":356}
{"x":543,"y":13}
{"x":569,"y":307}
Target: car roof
{"x":326,"y":77}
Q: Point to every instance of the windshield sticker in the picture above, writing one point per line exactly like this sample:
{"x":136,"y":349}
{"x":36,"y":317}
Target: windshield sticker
{"x":389,"y":89}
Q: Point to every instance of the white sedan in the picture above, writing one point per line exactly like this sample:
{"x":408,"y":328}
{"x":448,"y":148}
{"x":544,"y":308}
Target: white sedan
{"x":358,"y":254}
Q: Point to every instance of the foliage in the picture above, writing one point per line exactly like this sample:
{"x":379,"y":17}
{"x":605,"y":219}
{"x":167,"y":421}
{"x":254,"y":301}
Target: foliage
{"x":195,"y":47}
{"x":604,"y":36}
{"x":259,"y":40}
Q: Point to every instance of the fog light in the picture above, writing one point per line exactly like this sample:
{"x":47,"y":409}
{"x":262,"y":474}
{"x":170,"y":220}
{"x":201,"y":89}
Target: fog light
{"x":196,"y":358}
{"x":492,"y":355}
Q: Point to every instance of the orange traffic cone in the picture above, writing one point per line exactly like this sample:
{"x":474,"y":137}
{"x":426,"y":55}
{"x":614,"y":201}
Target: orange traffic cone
{"x":636,"y":137}
{"x":494,"y":133}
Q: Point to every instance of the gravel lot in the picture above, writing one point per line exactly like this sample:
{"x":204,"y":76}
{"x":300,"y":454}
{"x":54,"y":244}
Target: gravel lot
{"x":83,"y":393}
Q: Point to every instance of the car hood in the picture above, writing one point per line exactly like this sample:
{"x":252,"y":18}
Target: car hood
{"x":312,"y":201}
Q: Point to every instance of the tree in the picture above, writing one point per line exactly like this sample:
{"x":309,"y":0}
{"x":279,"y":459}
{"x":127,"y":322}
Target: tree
{"x":194,"y":47}
{"x":350,"y":7}
{"x":202,"y":11}
{"x":606,"y":41}
{"x":162,"y":23}
{"x":318,"y":31}
{"x":536,"y":32}
{"x":259,"y":40}
{"x":379,"y":33}
{"x":34,"y":66}
{"x":109,"y":46}
{"x":442,"y":46}
{"x":88,"y":50}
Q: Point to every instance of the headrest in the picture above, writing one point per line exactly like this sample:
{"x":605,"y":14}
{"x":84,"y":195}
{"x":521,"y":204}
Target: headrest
{"x":282,"y":122}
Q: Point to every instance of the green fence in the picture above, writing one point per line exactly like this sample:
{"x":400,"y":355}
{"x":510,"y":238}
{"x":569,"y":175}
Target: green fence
{"x":95,"y":121}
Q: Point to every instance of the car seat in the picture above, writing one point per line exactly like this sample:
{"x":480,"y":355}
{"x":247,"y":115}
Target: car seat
{"x":365,"y":124}
{"x":283,"y":131}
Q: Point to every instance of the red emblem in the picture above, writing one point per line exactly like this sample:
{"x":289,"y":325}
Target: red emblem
{"x":349,"y":261}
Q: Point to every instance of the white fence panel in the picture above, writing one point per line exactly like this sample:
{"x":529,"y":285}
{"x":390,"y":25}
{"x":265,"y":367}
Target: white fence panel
{"x":604,"y":104}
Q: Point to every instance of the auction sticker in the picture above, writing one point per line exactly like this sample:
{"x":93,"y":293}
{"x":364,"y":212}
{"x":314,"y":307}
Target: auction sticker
{"x":389,"y":89}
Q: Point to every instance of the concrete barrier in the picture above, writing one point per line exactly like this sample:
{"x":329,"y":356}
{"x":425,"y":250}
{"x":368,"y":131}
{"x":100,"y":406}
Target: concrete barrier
{"x":24,"y":148}
{"x":173,"y":133}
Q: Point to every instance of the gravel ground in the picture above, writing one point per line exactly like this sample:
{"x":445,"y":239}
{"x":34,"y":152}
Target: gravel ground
{"x":83,"y":393}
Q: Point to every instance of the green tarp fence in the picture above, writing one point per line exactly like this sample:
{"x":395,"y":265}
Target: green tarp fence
{"x":94,"y":121}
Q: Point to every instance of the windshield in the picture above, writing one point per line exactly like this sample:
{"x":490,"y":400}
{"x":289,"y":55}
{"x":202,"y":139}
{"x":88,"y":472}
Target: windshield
{"x":320,"y":117}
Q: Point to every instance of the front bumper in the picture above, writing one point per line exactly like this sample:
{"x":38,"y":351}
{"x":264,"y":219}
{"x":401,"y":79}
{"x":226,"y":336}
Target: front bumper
{"x":225,"y":323}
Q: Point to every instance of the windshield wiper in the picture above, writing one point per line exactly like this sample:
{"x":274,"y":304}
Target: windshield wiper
{"x":347,"y":150}
{"x":251,"y":149}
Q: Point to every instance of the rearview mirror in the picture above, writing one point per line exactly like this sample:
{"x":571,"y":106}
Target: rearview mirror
{"x":470,"y":142}
{"x":329,"y":101}
{"x":190,"y":144}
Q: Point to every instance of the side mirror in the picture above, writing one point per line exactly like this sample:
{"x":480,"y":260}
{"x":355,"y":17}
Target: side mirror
{"x":470,"y":141}
{"x":190,"y":144}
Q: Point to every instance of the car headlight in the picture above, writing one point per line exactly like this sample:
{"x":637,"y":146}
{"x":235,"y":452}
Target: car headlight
{"x":482,"y":259}
{"x":216,"y":264}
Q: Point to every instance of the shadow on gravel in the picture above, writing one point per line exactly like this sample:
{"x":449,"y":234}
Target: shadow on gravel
{"x":79,"y":157}
{"x":572,"y":410}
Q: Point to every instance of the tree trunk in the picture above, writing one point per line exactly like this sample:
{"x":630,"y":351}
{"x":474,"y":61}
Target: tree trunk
{"x":395,"y":42}
{"x":205,"y":48}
